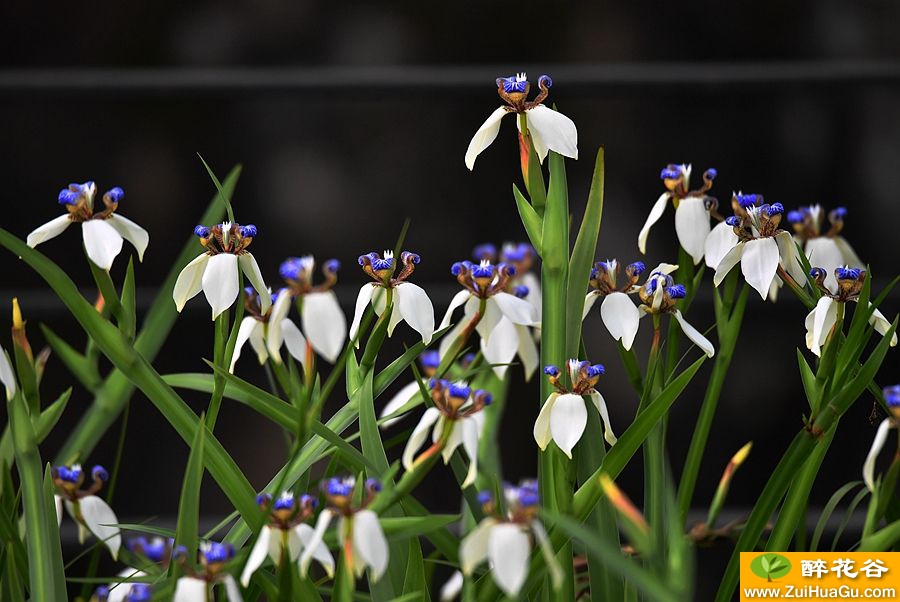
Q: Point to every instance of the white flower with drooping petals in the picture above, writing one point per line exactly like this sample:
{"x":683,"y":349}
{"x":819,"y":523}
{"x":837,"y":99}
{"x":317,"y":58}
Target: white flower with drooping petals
{"x":659,"y":294}
{"x":549,"y":130}
{"x":456,"y":419}
{"x":286,"y":533}
{"x":93,"y":515}
{"x":501,"y":319}
{"x":323,"y":321}
{"x":429,"y":362}
{"x":619,"y":314}
{"x":892,"y":397}
{"x":506,"y":541}
{"x":102,"y":232}
{"x":195,"y":587}
{"x":409,"y":302}
{"x":215,"y":272}
{"x":826,"y":249}
{"x":267,"y":332}
{"x":564,"y":415}
{"x":821,"y":319}
{"x":367,"y":544}
{"x":760,"y":248}
{"x":692,"y":209}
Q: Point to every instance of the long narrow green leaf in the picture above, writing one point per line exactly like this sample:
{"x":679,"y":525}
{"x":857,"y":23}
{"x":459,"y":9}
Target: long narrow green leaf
{"x":530,"y":220}
{"x":611,"y":556}
{"x":370,"y":437}
{"x":583,"y":256}
{"x":828,"y":510}
{"x":128,"y":315}
{"x":80,"y":366}
{"x":187,"y":530}
{"x":46,"y":577}
{"x":117,"y":389}
{"x":881,"y":540}
{"x":390,"y":372}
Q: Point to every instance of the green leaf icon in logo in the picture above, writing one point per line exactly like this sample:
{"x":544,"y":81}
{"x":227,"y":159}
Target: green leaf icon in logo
{"x":770,"y":566}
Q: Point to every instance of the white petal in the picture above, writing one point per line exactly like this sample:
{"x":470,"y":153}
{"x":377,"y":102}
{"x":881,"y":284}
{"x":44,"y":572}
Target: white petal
{"x":484,"y":136}
{"x":251,"y":271}
{"x":232,"y":592}
{"x":878,"y":443}
{"x":519,"y":311}
{"x":315,"y":540}
{"x":458,"y":299}
{"x":453,"y":587}
{"x":248,"y":325}
{"x":220,"y":282}
{"x":451,"y":336}
{"x":101,"y":241}
{"x":189,"y":281}
{"x":759,"y":262}
{"x":489,"y":319}
{"x":130,"y":231}
{"x":100,"y":519}
{"x":500,"y":348}
{"x":257,"y":554}
{"x":721,"y":239}
{"x":589,"y":301}
{"x":453,"y":441}
{"x":293,"y":340}
{"x":416,"y":309}
{"x":541,"y":431}
{"x":189,"y":589}
{"x":567,"y":421}
{"x":59,"y":509}
{"x":824,"y":318}
{"x":621,"y":318}
{"x":294,"y":542}
{"x":600,"y":404}
{"x":692,"y":226}
{"x":369,"y":543}
{"x":274,"y":336}
{"x":51,"y":229}
{"x":7,"y":377}
{"x":473,"y":549}
{"x":418,"y":436}
{"x":554,"y":130}
{"x":787,"y":248}
{"x":403,"y":397}
{"x":849,"y":255}
{"x":320,"y":552}
{"x":527,"y":352}
{"x":730,"y":260}
{"x":469,"y":429}
{"x":882,"y":325}
{"x":324,"y":324}
{"x":694,"y":335}
{"x":656,"y":212}
{"x":824,"y":253}
{"x":665,"y":268}
{"x":362,"y":300}
{"x":508,"y":550}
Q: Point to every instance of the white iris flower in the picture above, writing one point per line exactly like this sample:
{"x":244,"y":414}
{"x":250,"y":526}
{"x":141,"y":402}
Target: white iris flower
{"x":102,"y":232}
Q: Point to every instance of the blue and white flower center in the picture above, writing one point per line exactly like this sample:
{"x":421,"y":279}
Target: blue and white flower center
{"x":483,"y":279}
{"x":514,"y":91}
{"x":78,"y":199}
{"x":382,"y":268}
{"x":226,"y":237}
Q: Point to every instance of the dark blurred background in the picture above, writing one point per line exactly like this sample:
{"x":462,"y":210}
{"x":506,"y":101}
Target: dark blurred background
{"x":350,"y":117}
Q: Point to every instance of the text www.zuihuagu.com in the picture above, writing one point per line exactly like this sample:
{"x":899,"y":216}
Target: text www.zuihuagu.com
{"x":816,"y":592}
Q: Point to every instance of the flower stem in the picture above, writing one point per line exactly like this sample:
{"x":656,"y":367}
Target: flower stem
{"x":379,"y":333}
